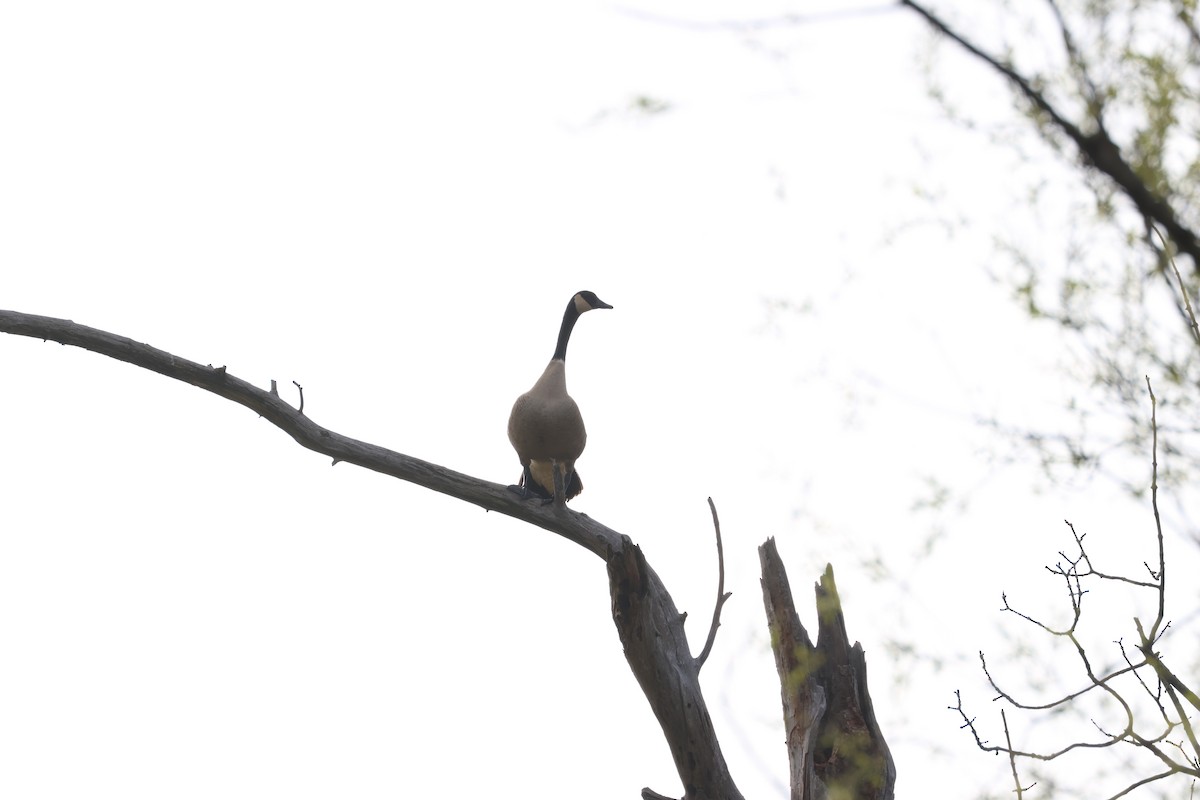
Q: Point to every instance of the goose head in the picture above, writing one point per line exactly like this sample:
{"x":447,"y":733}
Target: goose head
{"x":581,"y":302}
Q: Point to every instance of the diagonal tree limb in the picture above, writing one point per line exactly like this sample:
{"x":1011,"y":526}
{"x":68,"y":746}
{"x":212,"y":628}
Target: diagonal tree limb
{"x":1098,"y":147}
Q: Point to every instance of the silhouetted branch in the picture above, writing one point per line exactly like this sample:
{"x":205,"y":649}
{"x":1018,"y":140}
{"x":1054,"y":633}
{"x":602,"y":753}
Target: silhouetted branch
{"x":1001,"y":694}
{"x":1162,"y":557}
{"x":1012,"y":760}
{"x":722,"y":595}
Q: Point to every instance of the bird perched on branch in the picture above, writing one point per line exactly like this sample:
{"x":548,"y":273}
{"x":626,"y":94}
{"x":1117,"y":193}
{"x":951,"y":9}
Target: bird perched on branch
{"x":545,"y":427}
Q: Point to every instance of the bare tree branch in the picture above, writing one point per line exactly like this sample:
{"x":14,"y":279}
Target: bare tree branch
{"x":1132,"y":668}
{"x":1012,"y":760}
{"x":722,"y":595}
{"x":1158,"y":776}
{"x":1162,"y":557}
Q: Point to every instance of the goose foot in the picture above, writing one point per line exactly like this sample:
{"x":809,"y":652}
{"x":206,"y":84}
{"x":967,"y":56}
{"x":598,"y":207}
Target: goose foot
{"x":529,"y":488}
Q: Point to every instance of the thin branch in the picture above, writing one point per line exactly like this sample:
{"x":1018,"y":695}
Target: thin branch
{"x":1184,"y":721}
{"x":969,"y":724}
{"x":1154,"y":695}
{"x":1158,"y":243}
{"x":1184,"y":14}
{"x":1092,"y":571}
{"x":1060,"y":701}
{"x":1075,"y":58}
{"x":1012,"y":759}
{"x":1162,"y":558}
{"x":1137,"y":784}
{"x":1169,"y":678}
{"x":722,"y":595}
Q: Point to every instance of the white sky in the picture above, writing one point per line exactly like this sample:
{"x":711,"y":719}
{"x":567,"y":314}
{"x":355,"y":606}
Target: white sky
{"x":391,"y":205}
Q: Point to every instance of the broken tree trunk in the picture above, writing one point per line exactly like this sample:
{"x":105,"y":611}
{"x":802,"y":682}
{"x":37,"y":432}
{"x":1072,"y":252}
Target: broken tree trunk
{"x":835,"y":748}
{"x":656,"y":647}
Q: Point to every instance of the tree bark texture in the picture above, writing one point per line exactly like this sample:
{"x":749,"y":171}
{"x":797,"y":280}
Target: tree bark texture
{"x":831,"y":727}
{"x":835,"y":747}
{"x":656,"y":647}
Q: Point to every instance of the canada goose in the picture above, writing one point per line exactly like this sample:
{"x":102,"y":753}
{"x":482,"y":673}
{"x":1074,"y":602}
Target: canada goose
{"x":545,"y":426}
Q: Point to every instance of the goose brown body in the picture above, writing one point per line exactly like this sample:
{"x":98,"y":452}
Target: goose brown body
{"x":545,"y":426}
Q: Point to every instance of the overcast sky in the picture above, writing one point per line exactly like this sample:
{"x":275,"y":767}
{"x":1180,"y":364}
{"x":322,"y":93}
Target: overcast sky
{"x":391,"y":204}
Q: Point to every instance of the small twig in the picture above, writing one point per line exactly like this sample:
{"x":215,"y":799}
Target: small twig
{"x":1031,"y":620}
{"x":1094,"y":96}
{"x":722,"y":595}
{"x":300,"y":410}
{"x":1187,"y":301}
{"x":1012,"y":759}
{"x":650,"y":794}
{"x":274,"y":388}
{"x":1162,"y":559}
{"x":969,"y":724}
{"x":1091,"y":571}
{"x":1168,"y":678}
{"x":1150,"y":779}
{"x":1156,"y":696}
{"x":1003,"y":695}
{"x":1188,"y":730}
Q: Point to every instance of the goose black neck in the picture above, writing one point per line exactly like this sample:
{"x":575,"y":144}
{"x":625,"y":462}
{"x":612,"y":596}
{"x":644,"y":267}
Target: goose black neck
{"x":564,"y":333}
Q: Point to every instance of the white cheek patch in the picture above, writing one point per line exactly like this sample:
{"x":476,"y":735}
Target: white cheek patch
{"x":581,"y":305}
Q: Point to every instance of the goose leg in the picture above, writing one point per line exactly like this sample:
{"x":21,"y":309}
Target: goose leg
{"x":560,"y":489}
{"x":528,"y":487}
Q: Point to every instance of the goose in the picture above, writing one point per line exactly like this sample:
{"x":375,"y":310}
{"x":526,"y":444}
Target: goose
{"x":545,"y":426}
